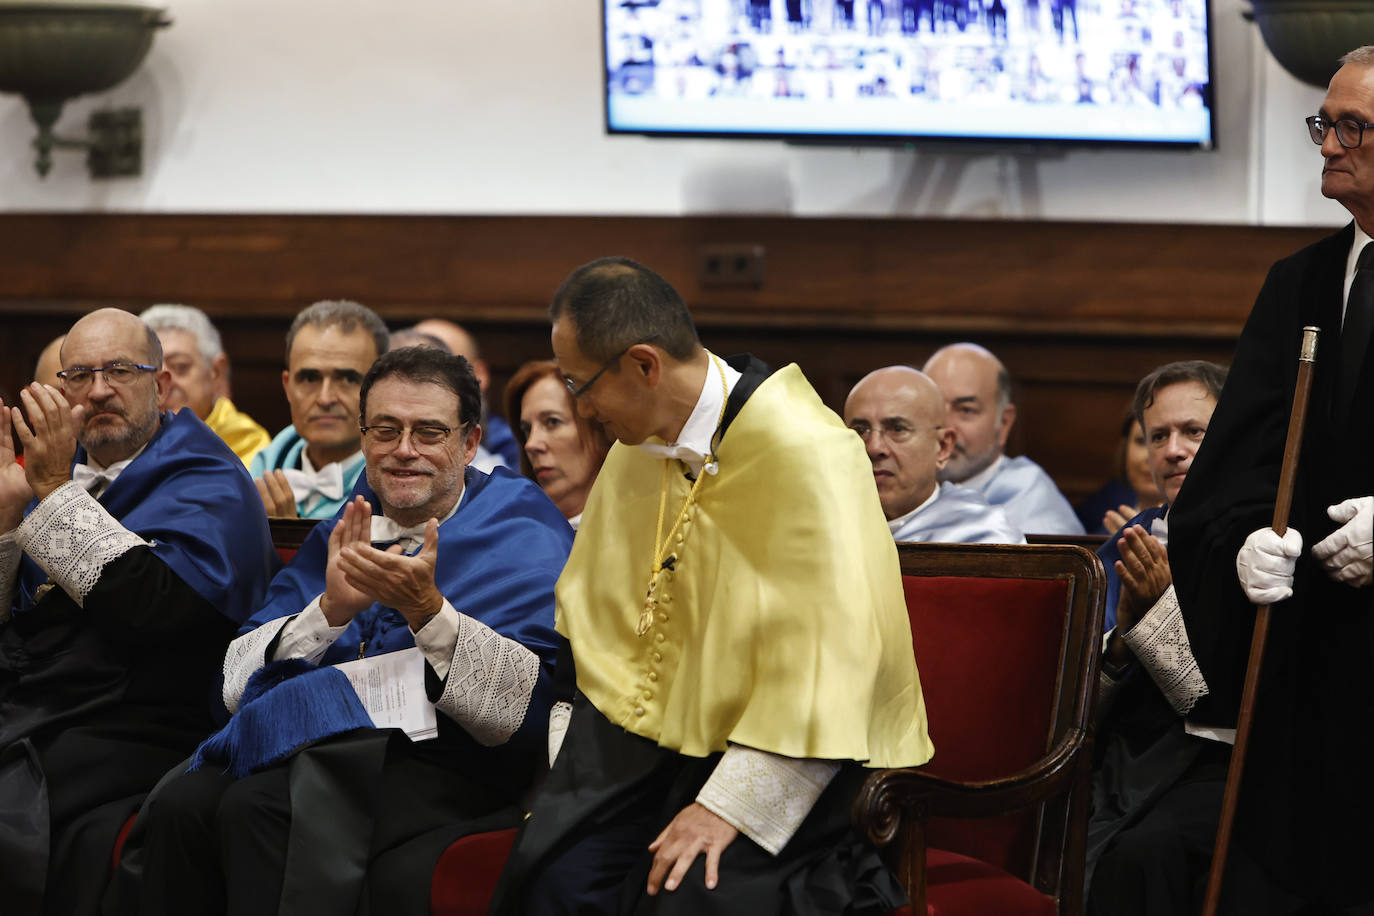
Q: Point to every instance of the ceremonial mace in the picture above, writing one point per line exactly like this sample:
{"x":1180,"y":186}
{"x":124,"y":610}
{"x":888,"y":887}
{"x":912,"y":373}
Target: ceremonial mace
{"x":1282,"y":503}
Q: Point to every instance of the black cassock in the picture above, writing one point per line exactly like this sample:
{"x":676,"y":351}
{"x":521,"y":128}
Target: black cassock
{"x":1305,"y":793}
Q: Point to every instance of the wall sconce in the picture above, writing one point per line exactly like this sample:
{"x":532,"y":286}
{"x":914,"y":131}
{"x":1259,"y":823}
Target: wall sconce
{"x":53,"y":51}
{"x":1308,"y":37}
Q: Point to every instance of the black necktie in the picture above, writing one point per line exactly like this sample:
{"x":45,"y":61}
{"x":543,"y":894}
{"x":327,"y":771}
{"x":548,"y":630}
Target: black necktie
{"x":1356,"y":330}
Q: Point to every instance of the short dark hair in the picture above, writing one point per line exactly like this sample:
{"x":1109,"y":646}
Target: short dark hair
{"x":1208,"y":374}
{"x":427,"y":364}
{"x":615,"y":301}
{"x":347,"y":315}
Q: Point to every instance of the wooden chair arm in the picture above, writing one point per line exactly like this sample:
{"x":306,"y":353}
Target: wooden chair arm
{"x":888,"y":796}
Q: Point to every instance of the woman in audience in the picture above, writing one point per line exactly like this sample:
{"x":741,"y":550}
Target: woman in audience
{"x":1130,"y":492}
{"x":560,"y":450}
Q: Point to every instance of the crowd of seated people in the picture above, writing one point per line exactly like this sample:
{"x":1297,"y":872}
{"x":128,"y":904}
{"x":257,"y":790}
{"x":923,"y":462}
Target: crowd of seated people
{"x":382,"y":446}
{"x":677,"y":706}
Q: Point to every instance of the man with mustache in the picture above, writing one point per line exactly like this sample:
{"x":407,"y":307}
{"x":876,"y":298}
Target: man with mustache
{"x":977,"y":388}
{"x":131,"y":547}
{"x":900,"y":415}
{"x":310,"y":467}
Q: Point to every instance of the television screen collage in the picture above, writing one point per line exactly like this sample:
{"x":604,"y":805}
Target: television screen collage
{"x":1076,"y":70}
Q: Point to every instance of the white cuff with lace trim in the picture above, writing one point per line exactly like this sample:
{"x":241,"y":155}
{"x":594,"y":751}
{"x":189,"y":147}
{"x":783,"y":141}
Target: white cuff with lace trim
{"x":559,"y":717}
{"x":9,"y":573}
{"x":1160,"y":641}
{"x":246,"y":655}
{"x":765,"y":796}
{"x":489,"y":682}
{"x":73,"y":539}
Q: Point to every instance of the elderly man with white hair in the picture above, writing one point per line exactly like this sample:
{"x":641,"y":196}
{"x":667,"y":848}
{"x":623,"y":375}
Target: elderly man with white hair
{"x":194,"y":355}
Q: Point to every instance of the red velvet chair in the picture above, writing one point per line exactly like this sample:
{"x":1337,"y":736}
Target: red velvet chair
{"x":1008,"y":645}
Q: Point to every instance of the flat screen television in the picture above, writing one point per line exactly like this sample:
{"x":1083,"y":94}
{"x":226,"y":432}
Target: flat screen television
{"x":1085,"y":71}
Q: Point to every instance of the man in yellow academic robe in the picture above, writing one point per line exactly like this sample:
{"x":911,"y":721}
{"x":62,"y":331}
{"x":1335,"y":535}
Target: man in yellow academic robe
{"x":738,"y":647}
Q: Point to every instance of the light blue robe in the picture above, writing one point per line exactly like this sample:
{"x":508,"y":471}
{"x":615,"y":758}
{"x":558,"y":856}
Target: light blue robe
{"x":1029,"y":497}
{"x":285,"y":452}
{"x":958,"y":515}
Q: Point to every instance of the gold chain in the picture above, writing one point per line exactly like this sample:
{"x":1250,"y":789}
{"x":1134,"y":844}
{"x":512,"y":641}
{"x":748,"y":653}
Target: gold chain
{"x":661,"y":543}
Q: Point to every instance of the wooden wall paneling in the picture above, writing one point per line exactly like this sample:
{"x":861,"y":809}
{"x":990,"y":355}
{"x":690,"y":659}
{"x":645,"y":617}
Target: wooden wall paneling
{"x":1077,"y":311}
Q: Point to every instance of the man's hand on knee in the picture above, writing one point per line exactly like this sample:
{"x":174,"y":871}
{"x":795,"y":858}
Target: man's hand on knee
{"x":693,"y":831}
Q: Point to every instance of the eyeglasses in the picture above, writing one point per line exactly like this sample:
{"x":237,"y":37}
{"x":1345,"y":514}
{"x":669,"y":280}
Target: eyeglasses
{"x":78,"y":378}
{"x":894,"y":431}
{"x":1349,"y":133}
{"x":425,"y":436}
{"x":577,"y":392}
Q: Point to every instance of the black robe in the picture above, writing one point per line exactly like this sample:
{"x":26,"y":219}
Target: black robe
{"x":1302,"y":796}
{"x":98,"y":700}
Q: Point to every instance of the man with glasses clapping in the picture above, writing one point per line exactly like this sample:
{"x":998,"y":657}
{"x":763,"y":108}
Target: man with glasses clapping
{"x":132,"y":548}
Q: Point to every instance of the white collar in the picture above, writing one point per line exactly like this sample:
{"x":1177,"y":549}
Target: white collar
{"x":983,"y":477}
{"x":94,"y":478}
{"x":693,"y":444}
{"x":345,"y":464}
{"x":409,"y":537}
{"x":897,"y":523}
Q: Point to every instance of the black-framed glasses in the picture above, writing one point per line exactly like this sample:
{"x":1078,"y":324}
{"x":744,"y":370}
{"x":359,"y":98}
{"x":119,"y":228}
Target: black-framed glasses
{"x":894,"y":431}
{"x":79,"y":378}
{"x":1349,"y":132}
{"x":427,"y":436}
{"x":577,"y":391}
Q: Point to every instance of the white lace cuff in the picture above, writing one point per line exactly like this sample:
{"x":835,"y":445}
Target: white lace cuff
{"x":245,"y":655}
{"x":489,"y":684}
{"x":1160,"y":641}
{"x":765,"y":796}
{"x":559,"y":717}
{"x":73,"y":539}
{"x":307,"y":635}
{"x":9,"y":573}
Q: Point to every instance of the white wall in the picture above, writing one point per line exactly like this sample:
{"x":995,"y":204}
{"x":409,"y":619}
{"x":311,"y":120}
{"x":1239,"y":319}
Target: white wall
{"x":432,"y":106}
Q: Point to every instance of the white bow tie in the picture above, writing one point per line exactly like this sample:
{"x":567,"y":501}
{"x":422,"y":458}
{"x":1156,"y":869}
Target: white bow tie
{"x":385,"y":529}
{"x":684,"y":453}
{"x":1160,"y":529}
{"x":327,"y":481}
{"x":90,"y":480}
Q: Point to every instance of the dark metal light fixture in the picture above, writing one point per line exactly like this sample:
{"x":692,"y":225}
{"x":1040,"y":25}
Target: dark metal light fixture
{"x":53,"y":51}
{"x":1308,"y":37}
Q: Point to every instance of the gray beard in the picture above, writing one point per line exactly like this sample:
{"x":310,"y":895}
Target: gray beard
{"x":121,"y":444}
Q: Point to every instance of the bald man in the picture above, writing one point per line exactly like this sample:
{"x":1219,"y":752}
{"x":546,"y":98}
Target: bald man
{"x":977,"y":389}
{"x":900,"y":415}
{"x":50,"y":363}
{"x":131,"y":545}
{"x":498,"y":447}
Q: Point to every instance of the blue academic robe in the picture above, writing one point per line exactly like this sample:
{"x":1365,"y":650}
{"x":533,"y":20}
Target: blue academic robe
{"x":499,"y":439}
{"x":186,"y":494}
{"x":499,"y":557}
{"x":1109,"y":553}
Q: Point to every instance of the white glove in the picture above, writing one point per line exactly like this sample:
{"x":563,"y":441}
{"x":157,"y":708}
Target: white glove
{"x":1265,"y":564}
{"x":1347,"y":554}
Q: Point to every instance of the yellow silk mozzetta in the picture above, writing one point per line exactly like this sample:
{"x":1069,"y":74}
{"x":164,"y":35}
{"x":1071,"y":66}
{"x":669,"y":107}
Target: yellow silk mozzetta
{"x":244,"y":435}
{"x":780,"y":621}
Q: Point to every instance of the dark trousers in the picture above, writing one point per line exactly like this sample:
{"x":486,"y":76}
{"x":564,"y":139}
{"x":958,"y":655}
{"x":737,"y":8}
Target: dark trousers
{"x":364,"y":834}
{"x":584,"y":849}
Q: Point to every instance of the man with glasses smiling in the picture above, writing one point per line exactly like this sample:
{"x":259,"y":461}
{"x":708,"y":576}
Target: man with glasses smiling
{"x":435,"y":559}
{"x":900,"y":414}
{"x":131,"y":547}
{"x":1298,"y":805}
